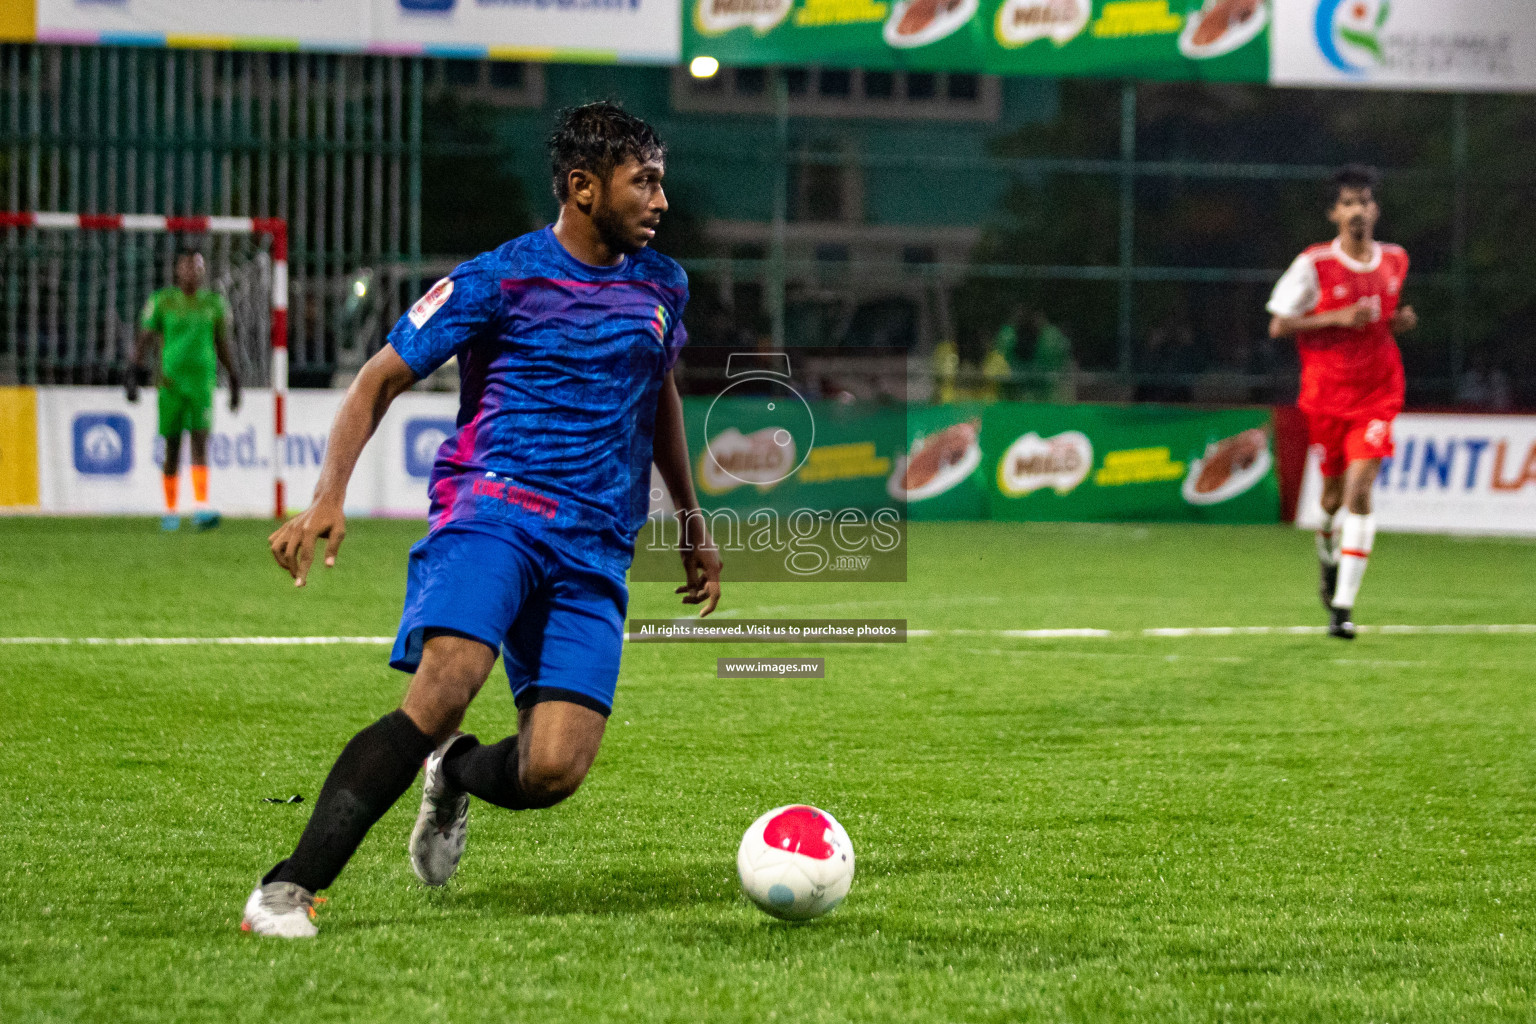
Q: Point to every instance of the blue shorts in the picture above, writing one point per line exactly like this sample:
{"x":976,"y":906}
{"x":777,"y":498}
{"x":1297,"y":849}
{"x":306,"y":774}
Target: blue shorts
{"x":559,"y":623}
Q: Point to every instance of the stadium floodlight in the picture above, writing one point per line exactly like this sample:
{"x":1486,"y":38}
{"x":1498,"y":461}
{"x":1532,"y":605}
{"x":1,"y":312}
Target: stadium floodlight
{"x":703,"y":67}
{"x":120,"y":311}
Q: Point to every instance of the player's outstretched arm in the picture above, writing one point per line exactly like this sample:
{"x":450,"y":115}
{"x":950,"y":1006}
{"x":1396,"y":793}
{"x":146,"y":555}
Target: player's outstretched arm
{"x":144,"y":342}
{"x":384,"y":378}
{"x":221,"y":350}
{"x":701,"y":559}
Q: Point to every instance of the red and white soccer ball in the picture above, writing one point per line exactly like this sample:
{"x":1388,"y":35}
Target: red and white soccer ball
{"x":796,"y":862}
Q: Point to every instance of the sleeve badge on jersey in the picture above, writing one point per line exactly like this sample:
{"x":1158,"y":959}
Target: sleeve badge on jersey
{"x":431,"y":302}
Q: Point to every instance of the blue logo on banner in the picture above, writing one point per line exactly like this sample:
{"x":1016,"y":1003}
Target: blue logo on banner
{"x":426,"y":5}
{"x":103,"y":443}
{"x":1350,"y":38}
{"x":422,"y":440}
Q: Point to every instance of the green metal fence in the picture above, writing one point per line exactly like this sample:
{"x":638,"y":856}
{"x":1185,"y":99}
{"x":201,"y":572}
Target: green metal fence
{"x":331,"y":143}
{"x":1129,"y":214}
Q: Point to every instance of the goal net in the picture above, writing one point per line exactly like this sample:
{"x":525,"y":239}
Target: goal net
{"x":71,"y":298}
{"x":72,"y":287}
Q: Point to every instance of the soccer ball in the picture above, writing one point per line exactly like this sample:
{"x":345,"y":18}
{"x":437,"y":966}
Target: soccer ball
{"x":796,"y":862}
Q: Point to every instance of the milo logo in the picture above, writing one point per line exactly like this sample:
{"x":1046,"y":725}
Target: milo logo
{"x":714,"y":17}
{"x":763,"y":458}
{"x":1034,"y":462}
{"x":1021,"y":22}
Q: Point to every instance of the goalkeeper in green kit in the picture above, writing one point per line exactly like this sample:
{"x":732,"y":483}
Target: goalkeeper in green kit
{"x":190,"y":325}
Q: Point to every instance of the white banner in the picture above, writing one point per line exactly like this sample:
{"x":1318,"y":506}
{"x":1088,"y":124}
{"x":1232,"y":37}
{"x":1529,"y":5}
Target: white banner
{"x":641,"y":31}
{"x":97,"y":453}
{"x":1413,"y":44}
{"x":342,"y":24}
{"x":1451,"y":474}
{"x":635,"y":30}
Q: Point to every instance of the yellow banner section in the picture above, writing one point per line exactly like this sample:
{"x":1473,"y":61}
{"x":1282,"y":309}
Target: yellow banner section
{"x":18,"y":20}
{"x":18,"y":446}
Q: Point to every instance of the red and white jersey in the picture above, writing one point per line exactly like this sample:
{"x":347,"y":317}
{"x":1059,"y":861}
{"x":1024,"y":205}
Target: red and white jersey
{"x":1349,"y":372}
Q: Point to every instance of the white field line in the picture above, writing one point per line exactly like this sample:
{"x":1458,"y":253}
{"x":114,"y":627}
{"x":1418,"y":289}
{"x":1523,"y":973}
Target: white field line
{"x":1010,"y":634}
{"x":897,"y":602}
{"x":1414,"y":630}
{"x":1101,"y":654}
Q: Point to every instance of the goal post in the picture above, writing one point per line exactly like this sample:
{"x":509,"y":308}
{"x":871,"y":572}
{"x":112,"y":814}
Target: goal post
{"x":66,"y":279}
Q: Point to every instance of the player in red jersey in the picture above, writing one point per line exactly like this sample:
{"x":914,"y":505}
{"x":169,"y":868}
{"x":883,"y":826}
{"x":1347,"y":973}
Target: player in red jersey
{"x":1341,"y":301}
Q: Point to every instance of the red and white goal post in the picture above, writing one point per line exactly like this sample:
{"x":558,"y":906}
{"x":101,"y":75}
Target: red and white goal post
{"x":273,"y":229}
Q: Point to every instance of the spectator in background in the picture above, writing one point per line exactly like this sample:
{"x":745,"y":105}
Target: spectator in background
{"x":946,"y":370}
{"x":1048,"y":375}
{"x":1169,"y":359}
{"x":831,"y":391}
{"x":1237,"y":356}
{"x":1485,"y":386}
{"x":1043,"y":372}
{"x":997,"y":368}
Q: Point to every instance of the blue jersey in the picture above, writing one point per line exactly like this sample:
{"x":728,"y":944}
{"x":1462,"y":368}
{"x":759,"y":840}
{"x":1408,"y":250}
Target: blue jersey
{"x":560,"y":365}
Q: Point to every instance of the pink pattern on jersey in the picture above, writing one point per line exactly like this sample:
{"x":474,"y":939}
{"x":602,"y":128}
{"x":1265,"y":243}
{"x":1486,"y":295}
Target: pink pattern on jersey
{"x":447,"y":494}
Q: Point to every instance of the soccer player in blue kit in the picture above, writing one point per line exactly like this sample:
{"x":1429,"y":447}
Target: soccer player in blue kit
{"x":566,"y":339}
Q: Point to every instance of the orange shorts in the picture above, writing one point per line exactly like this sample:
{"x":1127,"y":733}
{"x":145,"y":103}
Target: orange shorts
{"x":1346,"y":440}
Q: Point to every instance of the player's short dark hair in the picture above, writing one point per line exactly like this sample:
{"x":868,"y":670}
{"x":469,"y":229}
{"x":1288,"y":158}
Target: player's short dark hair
{"x":1360,"y":176}
{"x":186,"y":249}
{"x":598,"y":137}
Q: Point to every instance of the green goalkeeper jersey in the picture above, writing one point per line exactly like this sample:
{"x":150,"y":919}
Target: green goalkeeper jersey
{"x":187,"y":325}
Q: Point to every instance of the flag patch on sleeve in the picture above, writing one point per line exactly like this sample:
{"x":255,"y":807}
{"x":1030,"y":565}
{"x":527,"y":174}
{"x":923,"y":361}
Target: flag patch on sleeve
{"x":431,"y":302}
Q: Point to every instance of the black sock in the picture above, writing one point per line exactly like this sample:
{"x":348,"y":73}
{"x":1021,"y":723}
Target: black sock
{"x":488,"y":772}
{"x":375,"y":768}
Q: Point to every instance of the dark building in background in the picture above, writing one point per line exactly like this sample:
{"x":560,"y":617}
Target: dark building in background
{"x":924,"y":212}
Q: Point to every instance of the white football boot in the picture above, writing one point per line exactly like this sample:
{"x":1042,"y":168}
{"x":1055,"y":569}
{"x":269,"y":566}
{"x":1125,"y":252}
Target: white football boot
{"x":442,"y":824}
{"x":281,"y":909}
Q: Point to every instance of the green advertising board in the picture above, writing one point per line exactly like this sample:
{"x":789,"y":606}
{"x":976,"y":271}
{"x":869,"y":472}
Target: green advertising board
{"x":1085,"y":463}
{"x":1217,"y":40}
{"x":791,"y":489}
{"x":822,"y":490}
{"x":777,"y":451}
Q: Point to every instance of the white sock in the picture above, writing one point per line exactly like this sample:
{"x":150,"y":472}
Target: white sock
{"x":1327,"y":546}
{"x":1355,"y":539}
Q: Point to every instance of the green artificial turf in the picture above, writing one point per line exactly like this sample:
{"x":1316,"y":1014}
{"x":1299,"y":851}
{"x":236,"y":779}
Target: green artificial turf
{"x":1236,"y":828}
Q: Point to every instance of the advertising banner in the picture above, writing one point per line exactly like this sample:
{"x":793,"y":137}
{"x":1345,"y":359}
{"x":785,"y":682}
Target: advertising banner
{"x":18,"y":21}
{"x":94,"y":452}
{"x":320,"y":24}
{"x":18,"y":447}
{"x":1451,"y":474}
{"x":793,"y":487}
{"x":645,"y":31}
{"x":1224,"y":40}
{"x":98,"y":453}
{"x":1412,"y":44}
{"x":642,"y":31}
{"x":788,"y":453}
{"x":940,"y":474}
{"x":1082,"y":463}
{"x":1402,"y":44}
